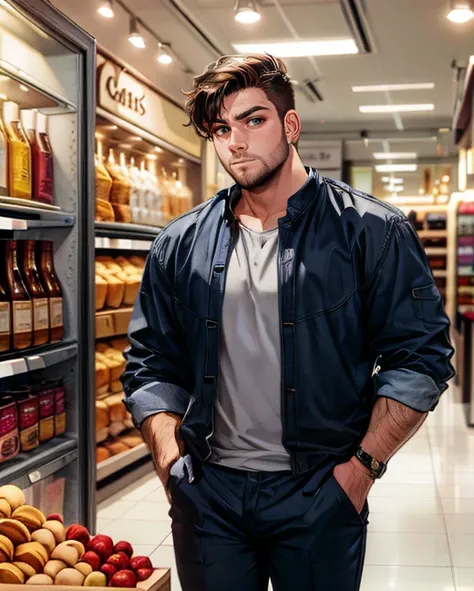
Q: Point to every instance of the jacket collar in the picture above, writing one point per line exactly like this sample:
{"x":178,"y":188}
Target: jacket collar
{"x":297,"y":203}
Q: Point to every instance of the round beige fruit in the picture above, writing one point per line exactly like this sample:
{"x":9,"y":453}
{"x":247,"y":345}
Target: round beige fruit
{"x":84,"y":568}
{"x":78,"y":546}
{"x":96,"y":579}
{"x":66,"y":553}
{"x":69,"y":576}
{"x":6,"y":546}
{"x":40,"y":580}
{"x":25,"y":568}
{"x":57,"y":529}
{"x":13,"y":495}
{"x":30,"y":516}
{"x":5,"y":509}
{"x":45,"y":538}
{"x":53,"y":567}
{"x":10,"y":574}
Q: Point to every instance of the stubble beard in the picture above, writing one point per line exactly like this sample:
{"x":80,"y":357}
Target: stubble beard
{"x":271,"y":167}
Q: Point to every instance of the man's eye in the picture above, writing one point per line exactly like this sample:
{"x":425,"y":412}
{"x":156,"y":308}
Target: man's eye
{"x":221,"y":131}
{"x":255,"y":121}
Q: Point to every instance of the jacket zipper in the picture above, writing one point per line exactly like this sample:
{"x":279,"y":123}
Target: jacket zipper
{"x":376,"y":369}
{"x":282,"y":349}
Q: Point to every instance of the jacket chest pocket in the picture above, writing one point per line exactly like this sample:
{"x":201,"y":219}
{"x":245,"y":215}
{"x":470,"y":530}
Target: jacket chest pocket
{"x":324,"y":282}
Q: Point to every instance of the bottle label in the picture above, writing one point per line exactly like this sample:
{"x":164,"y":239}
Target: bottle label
{"x":3,"y":165}
{"x":56,"y":312}
{"x":9,"y":441}
{"x":4,"y":318}
{"x":22,"y":317}
{"x":46,"y":412}
{"x":41,"y":314}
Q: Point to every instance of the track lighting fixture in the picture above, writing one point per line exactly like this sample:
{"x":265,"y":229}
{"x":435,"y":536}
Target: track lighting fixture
{"x":135,"y":38}
{"x":105,"y":9}
{"x":246,"y":12}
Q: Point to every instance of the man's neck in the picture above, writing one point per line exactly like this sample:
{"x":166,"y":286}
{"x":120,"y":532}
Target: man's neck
{"x":268,"y":203}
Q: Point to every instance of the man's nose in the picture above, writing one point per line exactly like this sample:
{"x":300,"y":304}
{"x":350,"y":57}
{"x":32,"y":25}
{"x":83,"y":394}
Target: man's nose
{"x":237,"y":142}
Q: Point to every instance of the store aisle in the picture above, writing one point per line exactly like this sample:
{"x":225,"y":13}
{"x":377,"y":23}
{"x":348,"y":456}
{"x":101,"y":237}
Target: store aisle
{"x":422,"y":513}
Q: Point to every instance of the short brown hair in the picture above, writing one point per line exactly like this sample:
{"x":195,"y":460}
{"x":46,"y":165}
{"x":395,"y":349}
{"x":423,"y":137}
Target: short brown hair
{"x":232,"y":73}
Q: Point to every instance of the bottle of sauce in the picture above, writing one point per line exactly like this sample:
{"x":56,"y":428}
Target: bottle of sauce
{"x":3,"y":159}
{"x":21,"y":308}
{"x":19,"y":153}
{"x":53,"y":289}
{"x":35,"y":126}
{"x":37,"y":293}
{"x":5,"y":310}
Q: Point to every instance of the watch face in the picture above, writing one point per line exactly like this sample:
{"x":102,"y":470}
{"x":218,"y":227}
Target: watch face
{"x":375,"y":465}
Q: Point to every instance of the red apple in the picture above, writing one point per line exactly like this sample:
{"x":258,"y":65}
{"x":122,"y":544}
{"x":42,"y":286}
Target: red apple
{"x":120,"y":560}
{"x":109,"y":571}
{"x":124,"y":578}
{"x":144,"y":573}
{"x":124,"y":547}
{"x":93,"y":559}
{"x":101,"y":545}
{"x":79,"y":533}
{"x":139,"y":562}
{"x":55,"y":517}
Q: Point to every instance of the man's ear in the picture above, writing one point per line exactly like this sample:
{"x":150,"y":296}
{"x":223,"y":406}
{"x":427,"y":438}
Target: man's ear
{"x":292,"y":125}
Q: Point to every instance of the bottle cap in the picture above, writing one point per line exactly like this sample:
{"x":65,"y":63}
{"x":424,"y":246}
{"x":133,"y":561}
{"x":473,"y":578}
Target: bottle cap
{"x":41,"y":123}
{"x":28,"y":118}
{"x":11,"y":111}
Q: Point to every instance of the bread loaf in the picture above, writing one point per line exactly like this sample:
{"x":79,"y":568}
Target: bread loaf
{"x":115,"y":291}
{"x":100,"y":292}
{"x":116,"y":429}
{"x":116,"y":447}
{"x":116,"y":387}
{"x":137,"y":261}
{"x":101,"y":347}
{"x":102,"y":420}
{"x":123,"y":213}
{"x":102,"y":454}
{"x":131,"y":440}
{"x":115,"y":363}
{"x":104,"y":211}
{"x":103,"y":181}
{"x":116,"y":408}
{"x":120,"y":343}
{"x":132,"y":287}
{"x":102,"y":374}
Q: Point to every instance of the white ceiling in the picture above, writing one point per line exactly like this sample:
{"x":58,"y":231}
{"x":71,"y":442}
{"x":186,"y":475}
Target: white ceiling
{"x":414,"y":42}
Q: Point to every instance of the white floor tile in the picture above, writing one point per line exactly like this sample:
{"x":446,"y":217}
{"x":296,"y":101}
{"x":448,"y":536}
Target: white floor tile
{"x":464,"y":579}
{"x":407,"y":578}
{"x":138,"y":531}
{"x":400,"y":477}
{"x":407,"y":523}
{"x":139,"y":491}
{"x":143,"y":550}
{"x":168,"y":541}
{"x":148,"y":510}
{"x":114,"y":510}
{"x":157,"y":496}
{"x":164,"y":557}
{"x":453,"y":505}
{"x":460,"y":523}
{"x":462,"y":549}
{"x":416,"y":506}
{"x":403,"y":490}
{"x":402,"y":549}
{"x":458,"y":490}
{"x":101,"y":523}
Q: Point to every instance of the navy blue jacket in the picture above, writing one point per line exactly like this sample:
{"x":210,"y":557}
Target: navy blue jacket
{"x":360,"y":317}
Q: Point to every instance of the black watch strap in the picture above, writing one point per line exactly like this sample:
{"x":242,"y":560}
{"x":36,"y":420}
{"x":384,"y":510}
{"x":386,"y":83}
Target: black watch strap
{"x":377,"y":469}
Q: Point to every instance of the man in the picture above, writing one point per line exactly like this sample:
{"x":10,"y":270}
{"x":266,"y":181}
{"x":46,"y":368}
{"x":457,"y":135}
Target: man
{"x":288,"y":339}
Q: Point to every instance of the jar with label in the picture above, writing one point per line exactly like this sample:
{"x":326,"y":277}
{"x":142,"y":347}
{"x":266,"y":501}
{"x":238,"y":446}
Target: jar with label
{"x":36,"y":291}
{"x":9,"y":440}
{"x":52,"y":287}
{"x":28,"y":418}
{"x":59,"y":409}
{"x":5,"y":310}
{"x":46,"y":404}
{"x":21,"y":308}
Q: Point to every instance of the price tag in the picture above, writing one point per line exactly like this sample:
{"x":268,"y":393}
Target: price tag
{"x":34,"y":476}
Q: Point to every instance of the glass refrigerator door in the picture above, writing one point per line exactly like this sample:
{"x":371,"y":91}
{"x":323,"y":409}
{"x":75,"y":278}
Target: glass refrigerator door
{"x":47,"y":71}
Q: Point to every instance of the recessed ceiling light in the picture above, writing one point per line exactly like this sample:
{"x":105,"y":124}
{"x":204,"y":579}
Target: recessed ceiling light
{"x":300,"y":48}
{"x":395,"y":155}
{"x":392,"y":180}
{"x":396,"y":167}
{"x":395,"y":108}
{"x":461,"y":11}
{"x":24,"y":88}
{"x":105,"y":9}
{"x":394,"y":87}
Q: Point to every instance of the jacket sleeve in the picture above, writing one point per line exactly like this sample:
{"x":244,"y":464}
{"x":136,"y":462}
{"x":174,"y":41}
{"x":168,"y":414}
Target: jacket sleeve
{"x":408,"y":330}
{"x":157,"y":377}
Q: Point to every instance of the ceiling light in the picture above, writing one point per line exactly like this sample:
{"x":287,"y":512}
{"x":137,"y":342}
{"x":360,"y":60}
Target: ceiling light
{"x":164,"y":56}
{"x":3,"y":97}
{"x":394,"y":87}
{"x":392,"y":180}
{"x":300,"y":48}
{"x":396,"y":167}
{"x":446,"y":178}
{"x":24,"y":88}
{"x":395,"y":155}
{"x":135,"y":38}
{"x":151,"y":157}
{"x":159,"y":150}
{"x":246,"y":12}
{"x":395,"y":108}
{"x":105,"y":9}
{"x":136,"y":138}
{"x":461,"y":11}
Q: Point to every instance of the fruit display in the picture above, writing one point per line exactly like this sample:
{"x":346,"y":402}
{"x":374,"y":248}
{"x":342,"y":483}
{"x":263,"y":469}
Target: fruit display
{"x":40,"y":550}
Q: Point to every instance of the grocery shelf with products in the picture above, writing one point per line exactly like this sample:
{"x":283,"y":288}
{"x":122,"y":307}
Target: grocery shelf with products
{"x":46,"y":280}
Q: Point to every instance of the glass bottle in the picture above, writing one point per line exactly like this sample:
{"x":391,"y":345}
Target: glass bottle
{"x":21,"y":308}
{"x":53,"y":289}
{"x":37,"y":293}
{"x":3,"y":159}
{"x":19,"y":153}
{"x":5,"y":310}
{"x":35,"y":126}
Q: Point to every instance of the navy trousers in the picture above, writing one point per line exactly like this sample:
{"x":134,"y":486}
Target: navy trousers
{"x":235,"y":530}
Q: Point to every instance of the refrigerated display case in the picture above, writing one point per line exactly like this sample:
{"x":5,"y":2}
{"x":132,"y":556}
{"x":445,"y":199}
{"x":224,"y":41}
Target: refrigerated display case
{"x":47,"y":65}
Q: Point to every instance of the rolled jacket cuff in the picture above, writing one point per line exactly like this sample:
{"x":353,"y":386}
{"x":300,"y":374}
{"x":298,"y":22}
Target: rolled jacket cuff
{"x":154,"y":398}
{"x":415,"y":390}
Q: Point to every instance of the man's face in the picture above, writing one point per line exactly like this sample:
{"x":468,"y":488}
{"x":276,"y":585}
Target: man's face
{"x":249,"y":138}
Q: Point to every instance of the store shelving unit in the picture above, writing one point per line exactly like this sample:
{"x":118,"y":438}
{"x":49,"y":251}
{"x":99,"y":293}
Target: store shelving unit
{"x":122,"y":461}
{"x":55,"y":60}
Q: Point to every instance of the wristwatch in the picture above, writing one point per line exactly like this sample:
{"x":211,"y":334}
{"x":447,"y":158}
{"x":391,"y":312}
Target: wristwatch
{"x":377,"y":469}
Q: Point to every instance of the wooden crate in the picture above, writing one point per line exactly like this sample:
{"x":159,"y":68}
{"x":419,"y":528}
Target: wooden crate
{"x":160,"y":580}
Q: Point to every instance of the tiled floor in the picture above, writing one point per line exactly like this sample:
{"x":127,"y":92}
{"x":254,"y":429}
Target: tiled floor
{"x":421,"y":533}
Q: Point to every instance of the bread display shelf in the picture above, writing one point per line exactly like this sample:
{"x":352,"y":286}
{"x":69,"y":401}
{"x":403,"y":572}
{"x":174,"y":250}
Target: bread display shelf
{"x":112,"y":323}
{"x":35,"y":358}
{"x":31,"y":467}
{"x":127,"y":231}
{"x":121,"y":461}
{"x":160,"y":580}
{"x":440,"y":273}
{"x":15,"y":216}
{"x":436,"y":251}
{"x":123,"y":244}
